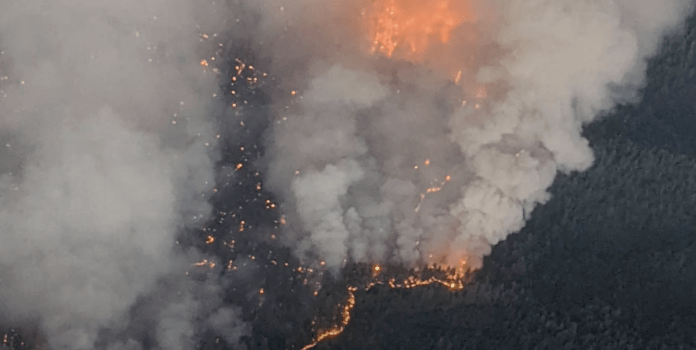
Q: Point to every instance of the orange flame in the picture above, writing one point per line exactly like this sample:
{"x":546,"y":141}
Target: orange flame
{"x":454,"y":280}
{"x":410,"y":24}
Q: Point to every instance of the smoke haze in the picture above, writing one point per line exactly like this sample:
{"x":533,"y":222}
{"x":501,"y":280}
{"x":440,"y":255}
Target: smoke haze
{"x":424,"y":146}
{"x":437,"y":152}
{"x":106,"y":156}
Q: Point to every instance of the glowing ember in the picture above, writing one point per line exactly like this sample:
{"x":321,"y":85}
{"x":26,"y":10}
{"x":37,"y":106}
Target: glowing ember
{"x":205,"y":262}
{"x":376,"y":269}
{"x":458,"y":77}
{"x":432,"y":189}
{"x":410,"y":24}
{"x":481,"y":92}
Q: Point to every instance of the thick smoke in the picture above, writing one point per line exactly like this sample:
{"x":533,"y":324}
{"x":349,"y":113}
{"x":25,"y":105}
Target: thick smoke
{"x":106,"y":155}
{"x":404,"y":159}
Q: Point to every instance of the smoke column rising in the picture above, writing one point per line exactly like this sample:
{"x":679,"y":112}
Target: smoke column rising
{"x":106,"y":155}
{"x":387,"y":159}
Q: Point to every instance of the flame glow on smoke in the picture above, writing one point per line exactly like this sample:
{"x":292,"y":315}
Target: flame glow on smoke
{"x":410,"y":24}
{"x":438,"y":138}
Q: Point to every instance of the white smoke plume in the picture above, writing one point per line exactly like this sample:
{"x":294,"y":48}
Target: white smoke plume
{"x":402,"y":158}
{"x":106,"y":155}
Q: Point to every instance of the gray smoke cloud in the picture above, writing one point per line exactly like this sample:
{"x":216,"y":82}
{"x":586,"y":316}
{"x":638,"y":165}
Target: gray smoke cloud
{"x":106,"y":155}
{"x":388,"y":159}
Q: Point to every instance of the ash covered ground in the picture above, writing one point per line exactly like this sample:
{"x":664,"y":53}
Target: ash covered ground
{"x":607,"y":263}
